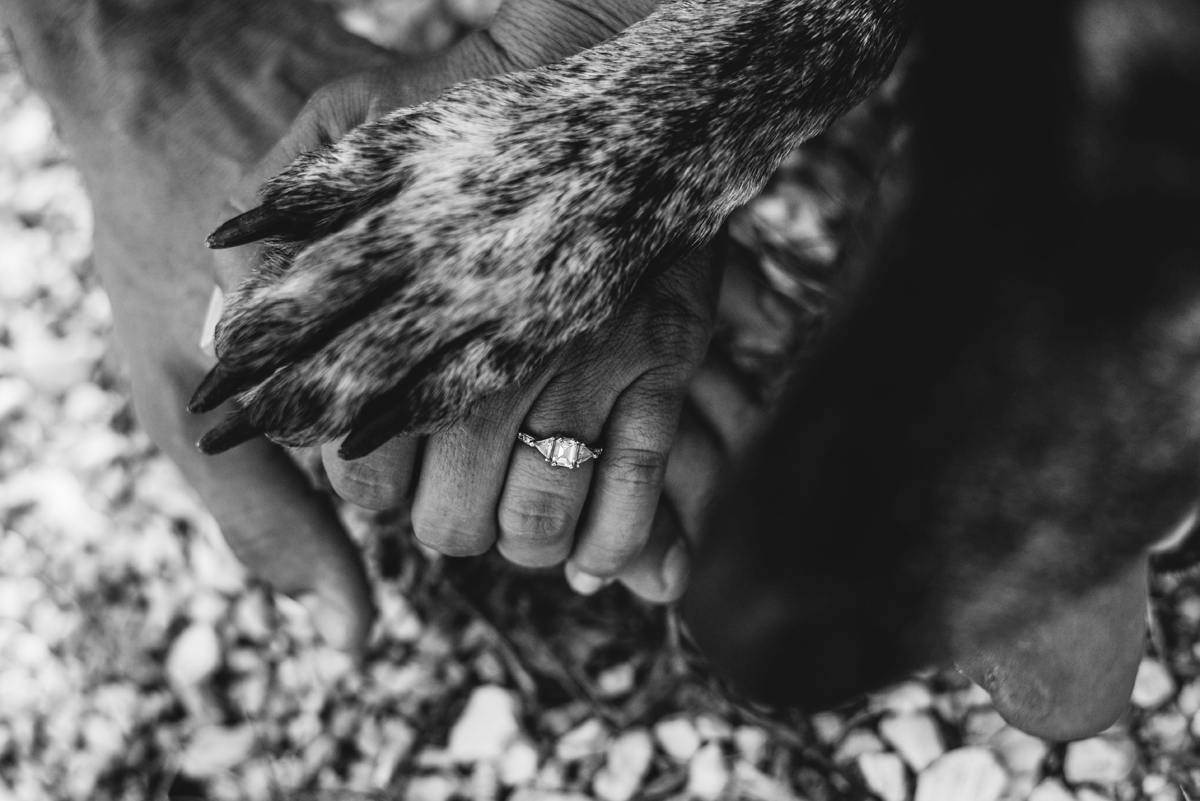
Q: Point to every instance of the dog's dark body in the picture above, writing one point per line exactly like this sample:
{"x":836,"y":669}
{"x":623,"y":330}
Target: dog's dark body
{"x":982,"y":450}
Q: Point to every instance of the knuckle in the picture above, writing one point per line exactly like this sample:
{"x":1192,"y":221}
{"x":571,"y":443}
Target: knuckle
{"x":535,"y":524}
{"x":643,"y":468}
{"x":364,"y":487}
{"x":608,"y":556}
{"x":453,"y":534}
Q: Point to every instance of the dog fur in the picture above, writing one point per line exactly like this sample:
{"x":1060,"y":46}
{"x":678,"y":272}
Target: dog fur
{"x":445,"y":251}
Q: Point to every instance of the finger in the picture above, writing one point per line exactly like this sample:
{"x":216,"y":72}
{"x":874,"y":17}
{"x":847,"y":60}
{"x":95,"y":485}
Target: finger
{"x":289,"y":535}
{"x":275,"y":523}
{"x":628,"y":477}
{"x":696,"y":468}
{"x":541,"y":504}
{"x":380,"y":480}
{"x":462,"y":476}
{"x":659,"y":574}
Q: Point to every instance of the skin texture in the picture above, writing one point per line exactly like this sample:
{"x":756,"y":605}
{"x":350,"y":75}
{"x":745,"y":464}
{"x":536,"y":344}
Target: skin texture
{"x":165,"y":111}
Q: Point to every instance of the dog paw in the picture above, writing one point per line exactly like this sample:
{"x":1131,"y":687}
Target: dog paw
{"x":435,"y":256}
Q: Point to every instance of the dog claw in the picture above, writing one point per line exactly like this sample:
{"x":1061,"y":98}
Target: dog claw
{"x":370,"y":431}
{"x":254,"y":225}
{"x":218,"y":386}
{"x":229,"y":433}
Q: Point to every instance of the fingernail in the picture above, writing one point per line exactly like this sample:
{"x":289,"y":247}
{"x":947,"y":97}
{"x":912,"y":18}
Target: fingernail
{"x":330,"y":621}
{"x":676,"y":566}
{"x":584,"y":583}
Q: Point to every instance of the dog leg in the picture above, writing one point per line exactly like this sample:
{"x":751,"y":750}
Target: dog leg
{"x":445,"y":251}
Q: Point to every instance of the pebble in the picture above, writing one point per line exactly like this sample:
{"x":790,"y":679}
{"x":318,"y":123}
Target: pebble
{"x":1051,"y":790}
{"x":752,"y":743}
{"x":1153,"y":686}
{"x":587,"y":739}
{"x":908,"y":697}
{"x":1168,"y":730}
{"x":194,"y":655}
{"x":216,"y":749}
{"x":981,"y":724}
{"x":486,"y":727}
{"x":710,"y":727}
{"x":1020,"y":752}
{"x":965,"y":774}
{"x":395,"y":741}
{"x":629,"y":758}
{"x":708,"y":774}
{"x":829,"y":726}
{"x":884,"y":775}
{"x":856,"y":743}
{"x":1189,"y":699}
{"x":915,"y":737}
{"x":1090,"y":794}
{"x":430,"y":788}
{"x":678,"y":737}
{"x":519,"y":765}
{"x":617,"y":681}
{"x":754,"y":785}
{"x":1103,"y":760}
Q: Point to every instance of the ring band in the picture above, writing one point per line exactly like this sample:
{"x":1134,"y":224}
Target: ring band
{"x":561,"y":451}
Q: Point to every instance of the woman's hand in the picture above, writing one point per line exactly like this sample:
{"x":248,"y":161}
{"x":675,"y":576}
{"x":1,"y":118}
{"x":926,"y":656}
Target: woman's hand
{"x":620,"y":388}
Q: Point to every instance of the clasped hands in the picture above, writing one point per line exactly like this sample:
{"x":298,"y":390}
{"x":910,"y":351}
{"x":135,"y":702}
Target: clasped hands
{"x":621,"y":388}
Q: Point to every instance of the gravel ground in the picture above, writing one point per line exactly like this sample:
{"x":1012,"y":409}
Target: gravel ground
{"x":139,"y":661}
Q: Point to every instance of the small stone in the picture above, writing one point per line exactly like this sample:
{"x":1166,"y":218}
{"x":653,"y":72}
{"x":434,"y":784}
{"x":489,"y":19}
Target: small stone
{"x":1189,"y":699}
{"x":751,"y":743}
{"x":430,"y":788}
{"x":1153,"y":686}
{"x":752,"y":784}
{"x":587,"y":739}
{"x":678,"y":737}
{"x":1051,"y":790}
{"x":617,"y":681}
{"x":396,"y":739}
{"x":486,"y":727}
{"x":519,"y":765}
{"x":216,"y":749}
{"x":856,"y":743}
{"x":629,"y":758}
{"x":829,"y":726}
{"x":1168,"y":730}
{"x":909,"y":696}
{"x":1103,"y":760}
{"x":707,"y":773}
{"x":1089,"y":794}
{"x":194,"y":655}
{"x":710,"y":727}
{"x":981,"y":724}
{"x":915,"y":737}
{"x":965,"y":774}
{"x":1021,"y":753}
{"x":884,"y":774}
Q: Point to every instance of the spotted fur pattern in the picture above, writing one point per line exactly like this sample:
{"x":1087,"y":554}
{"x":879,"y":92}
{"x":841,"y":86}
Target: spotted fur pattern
{"x":444,"y":251}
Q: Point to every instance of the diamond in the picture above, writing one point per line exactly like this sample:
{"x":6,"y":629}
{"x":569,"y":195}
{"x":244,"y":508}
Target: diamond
{"x":565,"y":453}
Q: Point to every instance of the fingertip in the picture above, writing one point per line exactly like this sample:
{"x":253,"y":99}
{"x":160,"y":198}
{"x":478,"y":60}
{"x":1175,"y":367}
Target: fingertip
{"x":584,"y":583}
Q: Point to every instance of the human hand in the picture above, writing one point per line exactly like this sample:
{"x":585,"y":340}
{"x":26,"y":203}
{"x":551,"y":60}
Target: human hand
{"x":473,"y":489}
